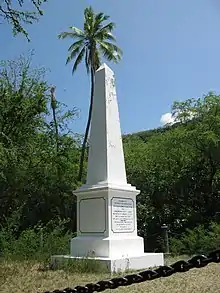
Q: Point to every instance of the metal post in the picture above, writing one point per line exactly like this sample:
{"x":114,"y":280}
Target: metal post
{"x":166,"y":238}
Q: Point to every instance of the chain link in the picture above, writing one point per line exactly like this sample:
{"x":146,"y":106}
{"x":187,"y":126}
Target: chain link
{"x":181,"y":266}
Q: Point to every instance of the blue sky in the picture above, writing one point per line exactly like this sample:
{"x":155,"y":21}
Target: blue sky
{"x":171,"y":52}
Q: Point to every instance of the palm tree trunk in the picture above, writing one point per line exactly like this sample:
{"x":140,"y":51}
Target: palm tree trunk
{"x":53,"y":106}
{"x":87,"y":126}
{"x":56,"y":130}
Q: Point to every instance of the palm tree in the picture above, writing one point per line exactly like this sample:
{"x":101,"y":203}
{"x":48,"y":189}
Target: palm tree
{"x":90,"y":44}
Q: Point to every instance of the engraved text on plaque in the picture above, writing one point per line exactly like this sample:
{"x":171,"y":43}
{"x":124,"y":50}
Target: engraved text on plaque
{"x":122,"y":215}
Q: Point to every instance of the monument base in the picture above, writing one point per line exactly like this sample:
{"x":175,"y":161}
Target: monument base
{"x":145,"y":261}
{"x":114,"y":247}
{"x":111,"y":254}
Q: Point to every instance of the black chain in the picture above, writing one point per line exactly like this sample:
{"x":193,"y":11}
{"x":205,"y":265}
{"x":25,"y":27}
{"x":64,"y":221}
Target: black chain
{"x":181,"y":266}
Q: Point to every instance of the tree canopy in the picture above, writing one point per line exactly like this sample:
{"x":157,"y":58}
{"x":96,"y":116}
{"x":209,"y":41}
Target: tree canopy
{"x":29,"y":182}
{"x":92,"y":43}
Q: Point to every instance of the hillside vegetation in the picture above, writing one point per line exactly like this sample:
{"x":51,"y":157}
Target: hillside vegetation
{"x":176,"y":168}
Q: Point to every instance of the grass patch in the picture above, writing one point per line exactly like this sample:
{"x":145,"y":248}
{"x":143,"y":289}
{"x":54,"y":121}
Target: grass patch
{"x":28,"y":276}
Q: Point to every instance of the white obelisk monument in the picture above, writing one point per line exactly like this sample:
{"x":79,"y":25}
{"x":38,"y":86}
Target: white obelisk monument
{"x":106,"y":204}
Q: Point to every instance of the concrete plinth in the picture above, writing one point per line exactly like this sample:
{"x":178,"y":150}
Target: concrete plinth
{"x":110,"y":247}
{"x":114,"y":265}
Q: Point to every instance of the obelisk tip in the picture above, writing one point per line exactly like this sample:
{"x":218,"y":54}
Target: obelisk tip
{"x":105,"y":67}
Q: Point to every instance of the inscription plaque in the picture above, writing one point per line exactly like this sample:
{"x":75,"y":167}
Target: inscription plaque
{"x":122,"y":215}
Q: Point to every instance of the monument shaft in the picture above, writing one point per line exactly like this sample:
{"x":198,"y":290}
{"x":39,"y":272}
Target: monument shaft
{"x":106,"y":158}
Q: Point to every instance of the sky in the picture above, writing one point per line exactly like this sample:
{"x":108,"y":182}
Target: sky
{"x":171,"y":52}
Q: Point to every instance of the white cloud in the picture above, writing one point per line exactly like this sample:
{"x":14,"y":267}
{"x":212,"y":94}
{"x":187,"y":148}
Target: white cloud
{"x":166,"y":119}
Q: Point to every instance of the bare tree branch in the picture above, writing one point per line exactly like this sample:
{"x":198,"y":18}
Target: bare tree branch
{"x":17,"y":18}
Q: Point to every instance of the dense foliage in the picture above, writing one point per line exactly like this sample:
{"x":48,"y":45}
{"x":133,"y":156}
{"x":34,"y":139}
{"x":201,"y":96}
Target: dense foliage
{"x":175,"y":167}
{"x":36,"y":181}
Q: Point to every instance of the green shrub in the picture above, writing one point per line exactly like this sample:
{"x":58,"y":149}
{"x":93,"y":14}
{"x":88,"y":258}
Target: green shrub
{"x":38,"y":243}
{"x":197,"y":241}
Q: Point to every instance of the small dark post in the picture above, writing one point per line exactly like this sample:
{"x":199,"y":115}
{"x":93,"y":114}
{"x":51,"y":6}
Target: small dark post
{"x":217,"y":216}
{"x":166,"y":238}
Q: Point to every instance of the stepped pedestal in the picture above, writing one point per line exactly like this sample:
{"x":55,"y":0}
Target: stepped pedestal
{"x":106,"y":204}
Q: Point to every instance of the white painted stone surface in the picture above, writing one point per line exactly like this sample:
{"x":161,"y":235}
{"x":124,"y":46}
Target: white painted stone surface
{"x":145,"y":261}
{"x":106,"y":204}
{"x":106,"y":158}
{"x":102,"y":235}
